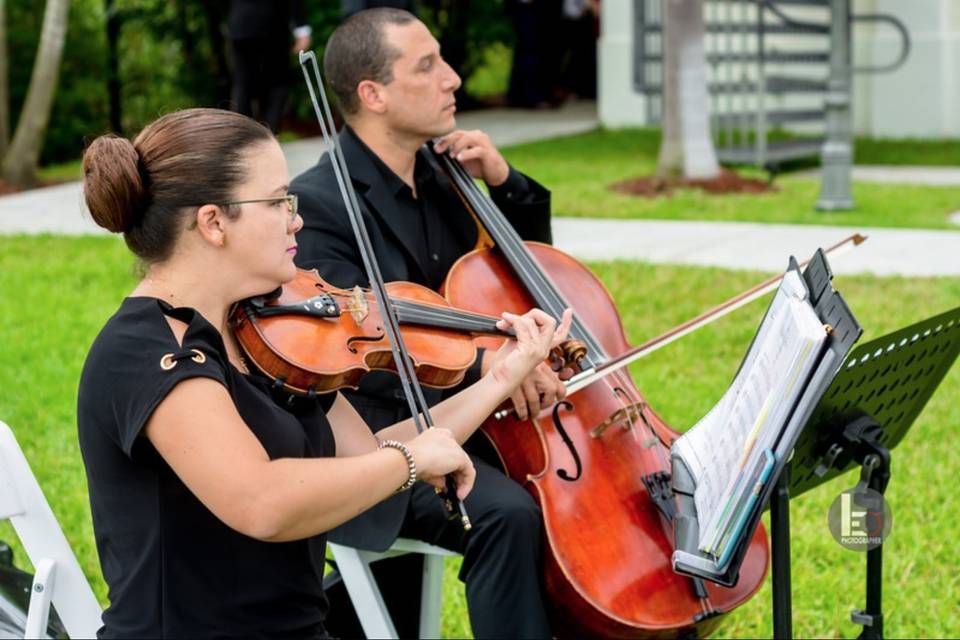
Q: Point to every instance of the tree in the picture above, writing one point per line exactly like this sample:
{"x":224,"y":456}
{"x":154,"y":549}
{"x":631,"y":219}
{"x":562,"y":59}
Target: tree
{"x":686,"y":148}
{"x":21,"y":159}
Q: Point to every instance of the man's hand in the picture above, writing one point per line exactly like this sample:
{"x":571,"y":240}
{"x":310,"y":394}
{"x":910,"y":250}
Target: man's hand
{"x":475,"y":151}
{"x":541,"y":388}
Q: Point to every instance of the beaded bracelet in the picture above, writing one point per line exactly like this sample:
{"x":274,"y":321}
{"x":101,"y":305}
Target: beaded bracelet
{"x":411,"y":465}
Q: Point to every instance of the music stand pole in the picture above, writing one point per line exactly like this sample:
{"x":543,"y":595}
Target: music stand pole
{"x":780,"y":552}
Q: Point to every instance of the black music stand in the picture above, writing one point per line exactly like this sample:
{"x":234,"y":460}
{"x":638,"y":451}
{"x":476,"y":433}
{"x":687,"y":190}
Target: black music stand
{"x":831,"y":309}
{"x":866,"y":411}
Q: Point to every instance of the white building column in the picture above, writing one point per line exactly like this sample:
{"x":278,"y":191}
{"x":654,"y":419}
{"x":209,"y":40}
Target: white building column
{"x":618,"y":105}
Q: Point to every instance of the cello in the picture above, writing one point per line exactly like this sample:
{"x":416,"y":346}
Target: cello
{"x":596,"y":462}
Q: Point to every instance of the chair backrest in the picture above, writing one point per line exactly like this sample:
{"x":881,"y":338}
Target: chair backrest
{"x":59,"y":579}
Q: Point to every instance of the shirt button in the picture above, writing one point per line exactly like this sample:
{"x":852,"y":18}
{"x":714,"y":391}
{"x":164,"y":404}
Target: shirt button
{"x":435,"y":257}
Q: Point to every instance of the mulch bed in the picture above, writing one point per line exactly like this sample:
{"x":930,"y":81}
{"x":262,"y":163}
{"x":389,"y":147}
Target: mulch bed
{"x":727,"y":182}
{"x":7,"y":188}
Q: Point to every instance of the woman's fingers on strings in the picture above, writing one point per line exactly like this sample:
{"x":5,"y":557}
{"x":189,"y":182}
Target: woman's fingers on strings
{"x":563,"y":328}
{"x":522,"y":326}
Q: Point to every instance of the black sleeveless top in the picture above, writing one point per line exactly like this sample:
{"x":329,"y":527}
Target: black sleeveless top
{"x":172,"y":567}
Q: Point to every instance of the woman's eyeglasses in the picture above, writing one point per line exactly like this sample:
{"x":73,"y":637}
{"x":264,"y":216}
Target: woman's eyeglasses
{"x":290,"y":198}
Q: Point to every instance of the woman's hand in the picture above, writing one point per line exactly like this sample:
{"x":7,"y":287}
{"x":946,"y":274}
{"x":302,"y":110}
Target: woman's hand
{"x":520,"y":363}
{"x":436,"y":453}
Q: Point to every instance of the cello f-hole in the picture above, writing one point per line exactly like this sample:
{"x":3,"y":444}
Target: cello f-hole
{"x":567,"y":441}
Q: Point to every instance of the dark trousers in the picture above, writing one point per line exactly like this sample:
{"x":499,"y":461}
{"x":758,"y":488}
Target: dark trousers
{"x":502,"y":554}
{"x":262,"y":76}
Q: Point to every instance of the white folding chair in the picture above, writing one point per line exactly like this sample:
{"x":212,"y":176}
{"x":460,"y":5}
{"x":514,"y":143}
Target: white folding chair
{"x":58,"y":578}
{"x":354,"y":567}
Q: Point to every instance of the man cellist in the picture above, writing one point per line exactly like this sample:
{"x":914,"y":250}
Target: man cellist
{"x":395,"y":93}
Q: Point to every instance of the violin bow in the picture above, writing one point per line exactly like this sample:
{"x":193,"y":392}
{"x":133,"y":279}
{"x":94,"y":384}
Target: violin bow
{"x":405,"y":369}
{"x":632,"y":355}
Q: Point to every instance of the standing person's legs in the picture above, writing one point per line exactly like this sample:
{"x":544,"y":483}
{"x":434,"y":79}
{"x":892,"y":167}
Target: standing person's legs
{"x":276,"y":80}
{"x":526,"y":84}
{"x":502,"y":554}
{"x":247,"y":72}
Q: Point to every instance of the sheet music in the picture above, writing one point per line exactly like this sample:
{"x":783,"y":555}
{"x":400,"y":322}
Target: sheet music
{"x":724,"y":449}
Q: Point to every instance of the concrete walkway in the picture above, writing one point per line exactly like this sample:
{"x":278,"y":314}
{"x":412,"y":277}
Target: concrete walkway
{"x":744,"y":245}
{"x":60,"y":209}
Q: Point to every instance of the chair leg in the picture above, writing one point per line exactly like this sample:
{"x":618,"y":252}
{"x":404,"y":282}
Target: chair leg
{"x":41,"y":593}
{"x":354,"y":567}
{"x":431,"y":596}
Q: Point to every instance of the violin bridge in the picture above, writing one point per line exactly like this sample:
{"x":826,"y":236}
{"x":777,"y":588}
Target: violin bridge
{"x":359,"y":308}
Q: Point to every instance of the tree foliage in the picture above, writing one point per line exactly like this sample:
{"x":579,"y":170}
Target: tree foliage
{"x":174,"y":54}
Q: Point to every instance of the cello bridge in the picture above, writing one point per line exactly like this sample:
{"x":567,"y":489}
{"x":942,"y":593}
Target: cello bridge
{"x":626,"y":414}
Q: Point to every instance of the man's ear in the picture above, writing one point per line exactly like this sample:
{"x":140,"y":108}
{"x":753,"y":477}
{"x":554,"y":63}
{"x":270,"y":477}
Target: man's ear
{"x":209,"y":222}
{"x":370,"y":94}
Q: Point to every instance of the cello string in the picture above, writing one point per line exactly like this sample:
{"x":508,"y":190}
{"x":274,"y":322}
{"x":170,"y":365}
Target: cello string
{"x":509,"y":242}
{"x":527,"y":267}
{"x":517,"y":254}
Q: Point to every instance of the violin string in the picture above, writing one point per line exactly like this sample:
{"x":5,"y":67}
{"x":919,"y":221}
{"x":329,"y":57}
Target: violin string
{"x":445,"y":312}
{"x":449,"y":320}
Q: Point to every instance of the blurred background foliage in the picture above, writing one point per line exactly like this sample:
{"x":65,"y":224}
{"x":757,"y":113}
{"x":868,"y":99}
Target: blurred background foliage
{"x":174,"y":54}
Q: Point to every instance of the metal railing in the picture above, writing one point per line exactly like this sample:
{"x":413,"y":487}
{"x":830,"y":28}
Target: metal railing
{"x":769,"y":72}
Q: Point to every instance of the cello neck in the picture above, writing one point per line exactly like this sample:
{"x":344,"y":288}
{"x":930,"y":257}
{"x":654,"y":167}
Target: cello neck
{"x":537,"y":283}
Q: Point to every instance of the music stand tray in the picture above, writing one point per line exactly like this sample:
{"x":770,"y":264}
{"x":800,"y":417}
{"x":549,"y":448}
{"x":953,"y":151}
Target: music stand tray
{"x":889,"y":379}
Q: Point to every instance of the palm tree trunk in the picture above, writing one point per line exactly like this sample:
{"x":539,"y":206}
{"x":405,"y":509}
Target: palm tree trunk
{"x":20,"y":161}
{"x":686,"y":149}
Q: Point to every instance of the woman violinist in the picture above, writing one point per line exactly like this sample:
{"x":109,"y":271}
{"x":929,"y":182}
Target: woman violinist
{"x":210,"y":495}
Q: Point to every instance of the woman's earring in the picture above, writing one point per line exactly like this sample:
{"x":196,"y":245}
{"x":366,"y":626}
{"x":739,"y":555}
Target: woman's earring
{"x":223,"y":240}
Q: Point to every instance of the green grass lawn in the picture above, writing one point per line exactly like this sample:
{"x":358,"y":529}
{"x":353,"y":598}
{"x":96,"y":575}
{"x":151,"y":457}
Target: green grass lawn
{"x":57,"y":293}
{"x":579,"y":170}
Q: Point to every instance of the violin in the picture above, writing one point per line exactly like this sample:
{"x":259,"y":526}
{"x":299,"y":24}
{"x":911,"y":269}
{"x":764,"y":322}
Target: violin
{"x":597,"y":462}
{"x":313,"y":337}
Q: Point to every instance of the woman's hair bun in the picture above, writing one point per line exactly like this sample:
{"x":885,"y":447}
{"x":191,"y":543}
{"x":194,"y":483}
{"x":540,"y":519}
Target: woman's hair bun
{"x":112,"y":184}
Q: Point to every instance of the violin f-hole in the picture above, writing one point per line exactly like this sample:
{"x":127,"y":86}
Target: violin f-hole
{"x":353,"y":339}
{"x":567,"y":441}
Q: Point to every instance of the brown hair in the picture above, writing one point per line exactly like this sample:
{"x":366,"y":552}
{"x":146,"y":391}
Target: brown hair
{"x":184,"y":159}
{"x":358,"y":51}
